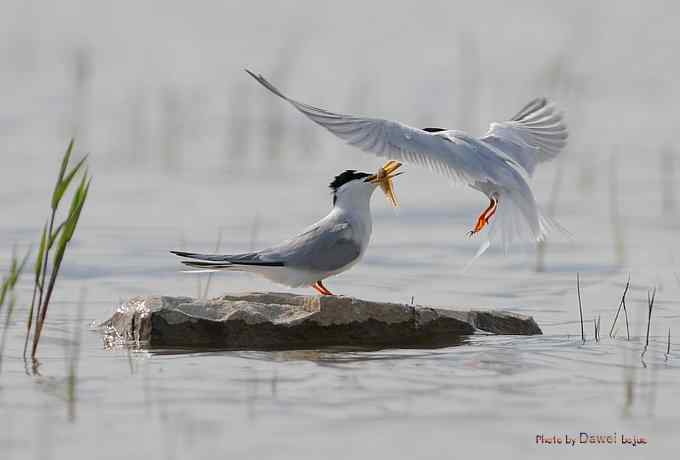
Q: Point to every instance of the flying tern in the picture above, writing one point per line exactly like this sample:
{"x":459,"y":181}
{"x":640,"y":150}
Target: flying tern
{"x":330,"y":246}
{"x":499,"y":164}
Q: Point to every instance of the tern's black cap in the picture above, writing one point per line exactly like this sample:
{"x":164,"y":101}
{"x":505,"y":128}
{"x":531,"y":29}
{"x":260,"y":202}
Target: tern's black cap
{"x":347,"y":176}
{"x":344,"y":177}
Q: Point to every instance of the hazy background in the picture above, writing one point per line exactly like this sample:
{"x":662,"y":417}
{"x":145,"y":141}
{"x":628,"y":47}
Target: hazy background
{"x":184,"y":146}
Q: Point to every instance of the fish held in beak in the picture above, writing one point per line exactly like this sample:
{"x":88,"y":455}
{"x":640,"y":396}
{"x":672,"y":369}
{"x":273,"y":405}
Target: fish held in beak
{"x":384,"y":179}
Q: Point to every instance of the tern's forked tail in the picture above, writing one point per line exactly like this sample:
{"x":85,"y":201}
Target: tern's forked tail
{"x":225,"y":262}
{"x":516,"y":220}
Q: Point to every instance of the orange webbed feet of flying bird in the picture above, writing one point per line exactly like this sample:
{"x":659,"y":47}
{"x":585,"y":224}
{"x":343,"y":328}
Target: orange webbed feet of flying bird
{"x":321,"y":289}
{"x":484,"y":217}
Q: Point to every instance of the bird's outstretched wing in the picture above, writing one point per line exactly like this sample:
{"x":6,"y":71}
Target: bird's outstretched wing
{"x":536,"y":134}
{"x":453,"y":154}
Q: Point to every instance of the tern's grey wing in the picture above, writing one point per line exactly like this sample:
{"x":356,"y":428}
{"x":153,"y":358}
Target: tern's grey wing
{"x":536,"y":134}
{"x":327,"y":246}
{"x":453,"y":154}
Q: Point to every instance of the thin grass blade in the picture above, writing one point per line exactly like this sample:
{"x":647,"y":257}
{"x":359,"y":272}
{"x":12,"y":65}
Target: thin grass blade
{"x":77,"y":203}
{"x":62,"y":172}
{"x":76,"y":209}
{"x":65,"y":182}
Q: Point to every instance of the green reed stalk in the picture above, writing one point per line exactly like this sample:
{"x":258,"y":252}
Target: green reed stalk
{"x":61,"y":236}
{"x":7,"y":291}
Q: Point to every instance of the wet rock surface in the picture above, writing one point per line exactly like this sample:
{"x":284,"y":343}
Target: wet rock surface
{"x":272,"y":320}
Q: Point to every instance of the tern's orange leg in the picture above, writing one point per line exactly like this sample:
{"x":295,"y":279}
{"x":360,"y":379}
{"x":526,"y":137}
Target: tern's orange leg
{"x":485,"y":216}
{"x":321,"y":289}
{"x":317,"y":288}
{"x":325,"y":288}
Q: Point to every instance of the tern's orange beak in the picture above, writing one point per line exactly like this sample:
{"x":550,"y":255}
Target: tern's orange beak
{"x":384,"y":179}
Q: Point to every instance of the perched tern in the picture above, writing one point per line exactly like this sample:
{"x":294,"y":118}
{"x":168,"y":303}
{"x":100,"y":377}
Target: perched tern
{"x":330,"y":246}
{"x":499,"y":164}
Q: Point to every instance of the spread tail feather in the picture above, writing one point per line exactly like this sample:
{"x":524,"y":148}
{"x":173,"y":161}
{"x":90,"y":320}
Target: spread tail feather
{"x":517,"y":219}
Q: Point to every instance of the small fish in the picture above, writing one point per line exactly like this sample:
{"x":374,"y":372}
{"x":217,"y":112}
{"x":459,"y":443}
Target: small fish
{"x":385,"y":180}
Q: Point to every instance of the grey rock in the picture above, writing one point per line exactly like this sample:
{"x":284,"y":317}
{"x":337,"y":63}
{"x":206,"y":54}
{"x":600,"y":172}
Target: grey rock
{"x":273,"y":320}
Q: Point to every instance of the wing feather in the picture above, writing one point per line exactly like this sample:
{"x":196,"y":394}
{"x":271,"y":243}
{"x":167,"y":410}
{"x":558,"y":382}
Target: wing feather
{"x":326,"y":246}
{"x":536,"y":134}
{"x":452,"y":154}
